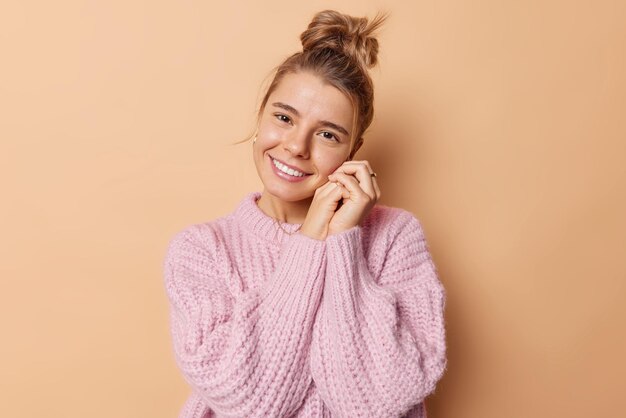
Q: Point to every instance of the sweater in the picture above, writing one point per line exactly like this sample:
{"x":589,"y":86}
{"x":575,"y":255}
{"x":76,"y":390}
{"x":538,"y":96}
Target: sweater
{"x":266,"y":323}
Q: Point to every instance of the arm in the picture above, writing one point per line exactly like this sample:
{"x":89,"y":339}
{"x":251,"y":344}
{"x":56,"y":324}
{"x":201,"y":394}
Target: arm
{"x":244,"y":356}
{"x":379,"y":343}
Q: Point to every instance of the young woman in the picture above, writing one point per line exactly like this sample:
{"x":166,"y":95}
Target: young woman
{"x":309,"y":299}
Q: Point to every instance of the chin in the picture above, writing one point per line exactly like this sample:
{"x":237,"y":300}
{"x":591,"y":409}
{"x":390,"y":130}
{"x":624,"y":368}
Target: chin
{"x":289,"y":195}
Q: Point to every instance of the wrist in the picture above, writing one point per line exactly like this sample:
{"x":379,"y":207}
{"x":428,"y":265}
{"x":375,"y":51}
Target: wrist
{"x":339,"y":229}
{"x":318,"y":235}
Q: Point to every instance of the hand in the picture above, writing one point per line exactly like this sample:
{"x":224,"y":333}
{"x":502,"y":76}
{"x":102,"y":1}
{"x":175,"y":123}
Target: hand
{"x":322,"y":209}
{"x":362,"y":194}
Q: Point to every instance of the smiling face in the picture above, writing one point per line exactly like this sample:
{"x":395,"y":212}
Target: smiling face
{"x":306,"y":125}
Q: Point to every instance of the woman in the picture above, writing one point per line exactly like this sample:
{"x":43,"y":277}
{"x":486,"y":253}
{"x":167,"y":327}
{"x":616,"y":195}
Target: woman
{"x":309,"y":300}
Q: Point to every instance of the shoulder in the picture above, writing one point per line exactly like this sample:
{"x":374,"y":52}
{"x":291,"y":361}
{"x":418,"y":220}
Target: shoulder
{"x":196,"y":241}
{"x":194,"y":259}
{"x":391,"y":222}
{"x":389,"y":229}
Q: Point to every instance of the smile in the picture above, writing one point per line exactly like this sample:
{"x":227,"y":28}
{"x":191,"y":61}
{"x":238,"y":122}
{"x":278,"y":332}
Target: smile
{"x":283,"y":168}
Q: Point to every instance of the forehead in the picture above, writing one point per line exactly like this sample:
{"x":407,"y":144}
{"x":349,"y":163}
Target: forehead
{"x":313,"y":98}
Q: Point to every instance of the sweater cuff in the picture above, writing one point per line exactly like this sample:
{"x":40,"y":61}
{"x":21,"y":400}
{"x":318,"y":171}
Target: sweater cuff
{"x":299,"y":271}
{"x":345,"y":248}
{"x":347,"y":265}
{"x":349,"y":234}
{"x":347,"y":271}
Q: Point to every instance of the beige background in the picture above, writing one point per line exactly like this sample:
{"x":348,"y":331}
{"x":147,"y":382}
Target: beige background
{"x":499,"y":124}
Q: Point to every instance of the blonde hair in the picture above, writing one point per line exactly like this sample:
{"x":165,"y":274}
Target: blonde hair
{"x":339,"y":49}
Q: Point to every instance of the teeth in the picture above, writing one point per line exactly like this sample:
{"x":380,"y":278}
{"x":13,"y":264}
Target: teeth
{"x":287,"y":170}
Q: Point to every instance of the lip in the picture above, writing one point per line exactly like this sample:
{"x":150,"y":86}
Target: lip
{"x":285,"y":176}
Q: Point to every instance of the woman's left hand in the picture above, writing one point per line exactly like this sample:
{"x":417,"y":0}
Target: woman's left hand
{"x":361,"y":193}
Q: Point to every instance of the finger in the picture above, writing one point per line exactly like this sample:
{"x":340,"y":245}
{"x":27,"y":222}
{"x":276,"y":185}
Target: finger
{"x":365,"y":162}
{"x":374,"y":180}
{"x":362,"y":162}
{"x":335,"y":191}
{"x":353,"y":186}
{"x":341,"y":191}
{"x":331,"y":185}
{"x":363,"y":167}
{"x":360,"y":172}
{"x":326,"y":189}
{"x":376,"y":188}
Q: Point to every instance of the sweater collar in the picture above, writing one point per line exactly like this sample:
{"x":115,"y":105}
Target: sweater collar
{"x":264,"y":226}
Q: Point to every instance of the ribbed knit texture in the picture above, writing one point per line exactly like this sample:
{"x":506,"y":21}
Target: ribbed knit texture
{"x":268,"y":324}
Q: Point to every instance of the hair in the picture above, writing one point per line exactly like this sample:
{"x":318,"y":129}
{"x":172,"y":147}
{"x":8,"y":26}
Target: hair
{"x":340,"y":49}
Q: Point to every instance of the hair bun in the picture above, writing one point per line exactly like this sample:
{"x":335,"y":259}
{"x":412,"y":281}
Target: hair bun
{"x":352,"y":36}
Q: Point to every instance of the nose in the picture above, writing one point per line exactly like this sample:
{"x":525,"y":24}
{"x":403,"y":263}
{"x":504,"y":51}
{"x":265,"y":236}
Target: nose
{"x":297,"y":143}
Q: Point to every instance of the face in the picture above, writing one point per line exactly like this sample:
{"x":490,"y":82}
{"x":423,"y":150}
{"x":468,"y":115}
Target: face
{"x":306,"y":125}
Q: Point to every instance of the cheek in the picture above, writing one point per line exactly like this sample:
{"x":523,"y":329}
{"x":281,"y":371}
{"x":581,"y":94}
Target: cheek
{"x":327,"y":165}
{"x":268,"y":135}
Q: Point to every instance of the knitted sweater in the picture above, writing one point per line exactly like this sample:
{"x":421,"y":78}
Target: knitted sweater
{"x":270,"y":324}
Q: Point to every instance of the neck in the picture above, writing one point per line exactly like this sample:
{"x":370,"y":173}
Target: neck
{"x":284,"y":211}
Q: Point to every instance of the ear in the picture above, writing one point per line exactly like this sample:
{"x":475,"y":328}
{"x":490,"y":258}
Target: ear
{"x":358,"y":144}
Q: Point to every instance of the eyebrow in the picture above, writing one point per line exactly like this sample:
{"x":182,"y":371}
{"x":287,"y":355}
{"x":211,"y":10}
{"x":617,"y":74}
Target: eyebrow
{"x":325,"y":123}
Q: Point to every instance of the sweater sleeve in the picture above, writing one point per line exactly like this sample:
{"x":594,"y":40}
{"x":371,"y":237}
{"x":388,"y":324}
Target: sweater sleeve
{"x":378,"y":344}
{"x":244,"y":356}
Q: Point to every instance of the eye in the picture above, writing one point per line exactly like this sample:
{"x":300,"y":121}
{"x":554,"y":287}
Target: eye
{"x":329,"y":135}
{"x":282,"y":118}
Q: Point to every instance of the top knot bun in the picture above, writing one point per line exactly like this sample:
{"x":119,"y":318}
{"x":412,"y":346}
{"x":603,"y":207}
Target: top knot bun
{"x":352,"y":36}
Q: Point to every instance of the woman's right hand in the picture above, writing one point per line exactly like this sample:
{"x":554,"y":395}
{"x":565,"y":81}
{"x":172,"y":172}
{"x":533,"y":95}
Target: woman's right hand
{"x":322,"y":209}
